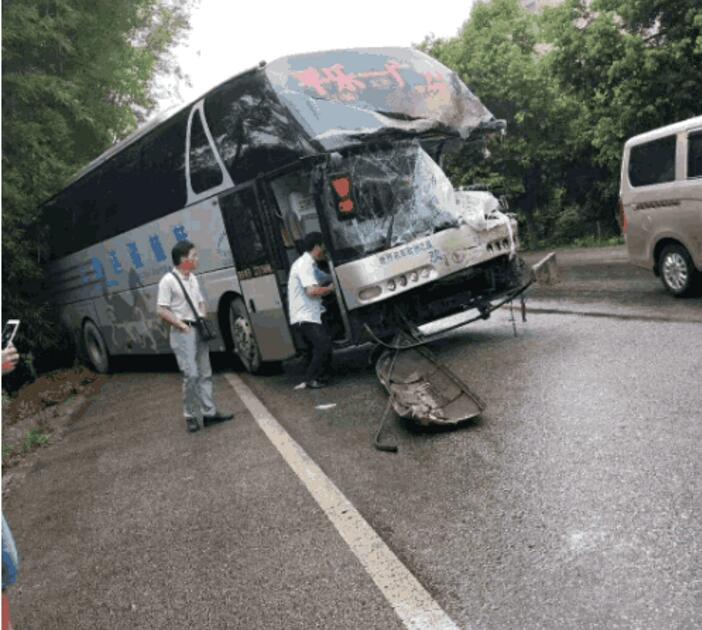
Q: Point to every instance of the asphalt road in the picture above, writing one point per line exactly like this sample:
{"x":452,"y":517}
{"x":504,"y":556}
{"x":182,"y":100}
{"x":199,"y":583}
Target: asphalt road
{"x":573,"y":502}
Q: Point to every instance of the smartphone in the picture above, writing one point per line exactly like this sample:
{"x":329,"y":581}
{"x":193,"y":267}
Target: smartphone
{"x":8,"y":332}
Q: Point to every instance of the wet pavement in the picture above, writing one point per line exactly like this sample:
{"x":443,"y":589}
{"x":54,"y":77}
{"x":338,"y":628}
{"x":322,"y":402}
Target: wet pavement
{"x":573,"y":501}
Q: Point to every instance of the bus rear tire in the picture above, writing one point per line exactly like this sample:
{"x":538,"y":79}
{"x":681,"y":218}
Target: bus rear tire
{"x":95,"y":348}
{"x":241,"y":333}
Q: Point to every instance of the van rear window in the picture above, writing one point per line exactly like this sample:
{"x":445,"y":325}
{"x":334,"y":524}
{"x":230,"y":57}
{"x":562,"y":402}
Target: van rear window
{"x":694,"y":154}
{"x":652,"y":162}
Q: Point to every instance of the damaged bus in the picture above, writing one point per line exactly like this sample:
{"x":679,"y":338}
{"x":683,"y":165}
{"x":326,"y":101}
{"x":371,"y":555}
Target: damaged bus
{"x":348,"y":143}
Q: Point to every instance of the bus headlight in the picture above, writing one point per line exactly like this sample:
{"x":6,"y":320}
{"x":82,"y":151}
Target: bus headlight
{"x":402,"y":280}
{"x":391,"y":285}
{"x":413,"y":276}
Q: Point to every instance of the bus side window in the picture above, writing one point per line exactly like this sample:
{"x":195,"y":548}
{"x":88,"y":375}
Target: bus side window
{"x":240,"y":213}
{"x":204,"y":169}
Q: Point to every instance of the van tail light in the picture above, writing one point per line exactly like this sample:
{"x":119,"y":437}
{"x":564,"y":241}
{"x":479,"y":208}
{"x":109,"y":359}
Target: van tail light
{"x":344,"y":201}
{"x":622,"y":217}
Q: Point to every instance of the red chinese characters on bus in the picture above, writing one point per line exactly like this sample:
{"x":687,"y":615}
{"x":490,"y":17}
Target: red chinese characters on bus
{"x":334,"y":81}
{"x":435,"y":84}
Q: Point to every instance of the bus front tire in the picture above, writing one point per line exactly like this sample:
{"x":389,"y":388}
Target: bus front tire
{"x":242,"y":337}
{"x":95,"y":348}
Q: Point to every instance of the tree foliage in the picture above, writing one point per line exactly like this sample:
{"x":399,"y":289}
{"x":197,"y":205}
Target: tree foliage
{"x":77,"y":75}
{"x":573,"y":84}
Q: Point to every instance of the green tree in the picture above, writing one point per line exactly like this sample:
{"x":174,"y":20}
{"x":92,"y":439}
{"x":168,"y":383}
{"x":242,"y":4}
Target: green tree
{"x":497,"y":55}
{"x":573,"y":84}
{"x":634,"y":65}
{"x":77,"y":75}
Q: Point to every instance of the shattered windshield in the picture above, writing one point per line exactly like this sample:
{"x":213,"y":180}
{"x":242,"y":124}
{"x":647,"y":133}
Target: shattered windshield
{"x":397,"y":194}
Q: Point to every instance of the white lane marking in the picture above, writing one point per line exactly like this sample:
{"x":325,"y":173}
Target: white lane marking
{"x":409,"y":599}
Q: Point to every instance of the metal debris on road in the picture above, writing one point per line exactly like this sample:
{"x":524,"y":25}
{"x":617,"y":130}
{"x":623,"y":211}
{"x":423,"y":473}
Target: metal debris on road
{"x":325,"y":407}
{"x":424,"y":389}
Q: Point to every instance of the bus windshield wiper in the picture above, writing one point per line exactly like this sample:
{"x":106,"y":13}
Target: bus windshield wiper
{"x":389,"y":234}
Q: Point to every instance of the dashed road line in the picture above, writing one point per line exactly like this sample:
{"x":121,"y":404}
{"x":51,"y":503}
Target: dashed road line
{"x":412,"y":603}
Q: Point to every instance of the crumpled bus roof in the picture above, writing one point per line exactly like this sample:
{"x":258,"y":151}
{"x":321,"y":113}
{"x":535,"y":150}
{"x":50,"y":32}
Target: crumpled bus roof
{"x":300,"y":105}
{"x":342,"y":97}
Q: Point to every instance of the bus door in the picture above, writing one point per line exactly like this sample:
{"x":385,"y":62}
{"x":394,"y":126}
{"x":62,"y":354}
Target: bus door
{"x":255,"y":268}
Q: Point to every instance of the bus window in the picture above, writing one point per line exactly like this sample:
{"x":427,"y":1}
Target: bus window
{"x":204,"y":170}
{"x":241,"y":214}
{"x":118,"y":190}
{"x":252,"y":131}
{"x":163,"y":161}
{"x":296,"y":203}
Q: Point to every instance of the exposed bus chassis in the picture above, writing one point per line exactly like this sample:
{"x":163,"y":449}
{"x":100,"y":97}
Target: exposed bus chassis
{"x":420,"y":387}
{"x":472,"y":288}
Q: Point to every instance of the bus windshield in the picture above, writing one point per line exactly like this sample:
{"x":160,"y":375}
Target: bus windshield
{"x":397,"y":194}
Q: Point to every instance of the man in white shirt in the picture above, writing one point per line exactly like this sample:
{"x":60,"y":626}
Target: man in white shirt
{"x":192,"y":353}
{"x":307,"y":285}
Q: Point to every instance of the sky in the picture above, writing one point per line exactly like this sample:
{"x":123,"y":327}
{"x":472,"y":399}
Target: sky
{"x":228,"y":37}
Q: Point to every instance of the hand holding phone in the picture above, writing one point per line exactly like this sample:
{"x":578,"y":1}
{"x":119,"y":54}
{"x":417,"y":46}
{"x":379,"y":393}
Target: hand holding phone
{"x":8,"y":332}
{"x":10,"y":357}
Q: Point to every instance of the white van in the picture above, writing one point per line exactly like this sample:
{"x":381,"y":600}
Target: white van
{"x":660,"y":203}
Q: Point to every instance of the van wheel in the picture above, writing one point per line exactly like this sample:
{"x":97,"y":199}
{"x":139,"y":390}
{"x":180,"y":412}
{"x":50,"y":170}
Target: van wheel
{"x":95,"y":348}
{"x":678,"y":272}
{"x":242,"y":336}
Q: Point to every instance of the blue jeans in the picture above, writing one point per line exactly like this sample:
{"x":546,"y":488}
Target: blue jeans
{"x":10,"y":557}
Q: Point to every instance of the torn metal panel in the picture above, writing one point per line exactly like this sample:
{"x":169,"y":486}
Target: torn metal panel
{"x":423,"y":389}
{"x":343,"y":97}
{"x":476,"y":208}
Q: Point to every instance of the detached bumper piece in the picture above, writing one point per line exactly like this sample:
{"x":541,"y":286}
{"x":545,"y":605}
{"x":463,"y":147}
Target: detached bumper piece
{"x":422,"y":388}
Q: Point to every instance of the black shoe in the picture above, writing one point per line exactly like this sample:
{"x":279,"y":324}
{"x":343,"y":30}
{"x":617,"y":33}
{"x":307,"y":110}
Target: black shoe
{"x":218,"y":417}
{"x":193,"y":424}
{"x":316,"y":384}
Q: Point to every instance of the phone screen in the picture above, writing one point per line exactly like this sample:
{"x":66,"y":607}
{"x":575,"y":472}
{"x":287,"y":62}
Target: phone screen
{"x":8,"y":332}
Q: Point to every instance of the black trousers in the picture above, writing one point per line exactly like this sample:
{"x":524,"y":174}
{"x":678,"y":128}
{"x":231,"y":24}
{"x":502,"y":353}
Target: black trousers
{"x":319,"y":349}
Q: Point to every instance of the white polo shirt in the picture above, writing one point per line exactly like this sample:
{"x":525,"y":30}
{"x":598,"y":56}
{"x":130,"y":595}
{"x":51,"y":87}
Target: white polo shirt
{"x":171,"y":295}
{"x":305,"y":273}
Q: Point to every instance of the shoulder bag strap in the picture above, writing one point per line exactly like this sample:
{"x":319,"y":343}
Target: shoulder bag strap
{"x":187,"y":296}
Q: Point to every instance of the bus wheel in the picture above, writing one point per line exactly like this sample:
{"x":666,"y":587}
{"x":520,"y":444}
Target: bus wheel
{"x":95,"y":348}
{"x":243,"y":340}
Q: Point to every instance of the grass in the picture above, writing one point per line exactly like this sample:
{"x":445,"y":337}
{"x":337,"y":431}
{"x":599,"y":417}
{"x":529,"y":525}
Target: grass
{"x":7,"y":451}
{"x":35,"y":438}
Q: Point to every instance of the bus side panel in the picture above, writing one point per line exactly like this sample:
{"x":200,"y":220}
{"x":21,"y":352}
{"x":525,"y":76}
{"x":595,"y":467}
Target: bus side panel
{"x":214,"y":285}
{"x":267,"y":314}
{"x":73,"y":315}
{"x":129,"y":323}
{"x":120,"y":276}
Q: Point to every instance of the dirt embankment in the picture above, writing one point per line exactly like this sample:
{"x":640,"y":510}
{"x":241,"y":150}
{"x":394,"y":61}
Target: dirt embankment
{"x":38,"y":413}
